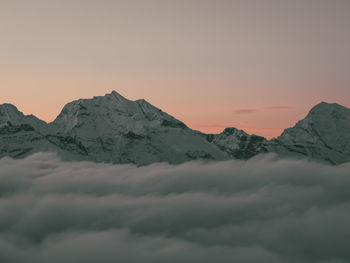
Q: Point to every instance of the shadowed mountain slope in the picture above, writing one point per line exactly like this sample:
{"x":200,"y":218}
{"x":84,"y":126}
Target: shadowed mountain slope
{"x":114,"y":129}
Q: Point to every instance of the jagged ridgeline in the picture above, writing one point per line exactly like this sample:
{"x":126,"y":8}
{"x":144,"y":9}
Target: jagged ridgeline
{"x":114,"y":129}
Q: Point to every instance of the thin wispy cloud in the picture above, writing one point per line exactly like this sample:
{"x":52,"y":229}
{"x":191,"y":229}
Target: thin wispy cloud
{"x":251,"y":111}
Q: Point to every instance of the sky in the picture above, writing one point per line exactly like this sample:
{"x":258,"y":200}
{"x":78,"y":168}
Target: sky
{"x":258,"y":65}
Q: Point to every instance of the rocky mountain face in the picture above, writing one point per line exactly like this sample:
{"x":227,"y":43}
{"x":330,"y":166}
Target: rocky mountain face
{"x":109,"y":128}
{"x":238,"y":144}
{"x":323,"y":135}
{"x":114,"y":129}
{"x":21,"y":135}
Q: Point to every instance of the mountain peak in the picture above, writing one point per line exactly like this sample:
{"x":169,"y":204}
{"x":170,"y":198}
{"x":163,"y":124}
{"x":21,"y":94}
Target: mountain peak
{"x":233,"y":130}
{"x":112,"y":128}
{"x":115,"y":95}
{"x":323,"y":114}
{"x":9,"y":113}
{"x":113,"y":114}
{"x":323,"y":134}
{"x":324,"y":107}
{"x":7,"y":107}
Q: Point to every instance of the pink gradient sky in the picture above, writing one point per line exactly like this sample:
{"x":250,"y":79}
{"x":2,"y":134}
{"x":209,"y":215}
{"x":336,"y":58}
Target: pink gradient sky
{"x":255,"y":65}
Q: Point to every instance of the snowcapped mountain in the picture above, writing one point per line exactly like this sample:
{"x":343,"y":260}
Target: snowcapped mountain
{"x":114,"y":129}
{"x":323,"y":135}
{"x":111,"y":114}
{"x":238,"y":143}
{"x":21,"y":135}
{"x":10,"y":116}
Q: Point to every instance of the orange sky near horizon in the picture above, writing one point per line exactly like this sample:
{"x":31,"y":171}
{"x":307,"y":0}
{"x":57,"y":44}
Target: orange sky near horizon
{"x":255,"y":65}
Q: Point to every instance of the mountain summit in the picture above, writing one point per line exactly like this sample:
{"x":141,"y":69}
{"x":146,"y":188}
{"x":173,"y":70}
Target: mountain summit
{"x":114,"y":129}
{"x":11,"y":116}
{"x":109,"y":114}
{"x":324,"y":134}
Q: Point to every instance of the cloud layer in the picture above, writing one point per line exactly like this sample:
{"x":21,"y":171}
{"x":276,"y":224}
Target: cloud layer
{"x":261,"y":210}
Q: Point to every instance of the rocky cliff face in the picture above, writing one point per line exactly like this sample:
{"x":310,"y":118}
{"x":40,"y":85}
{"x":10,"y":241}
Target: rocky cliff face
{"x":114,"y":129}
{"x":323,"y":135}
{"x":238,"y":144}
{"x":21,"y":135}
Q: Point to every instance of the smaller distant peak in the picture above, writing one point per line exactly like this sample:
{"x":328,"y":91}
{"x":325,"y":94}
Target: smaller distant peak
{"x":232,"y":130}
{"x":7,"y":107}
{"x":326,"y":106}
{"x":115,"y":94}
{"x":9,"y":113}
{"x":229,"y":130}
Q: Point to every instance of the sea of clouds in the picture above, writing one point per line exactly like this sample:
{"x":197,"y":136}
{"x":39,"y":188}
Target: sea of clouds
{"x":261,"y":210}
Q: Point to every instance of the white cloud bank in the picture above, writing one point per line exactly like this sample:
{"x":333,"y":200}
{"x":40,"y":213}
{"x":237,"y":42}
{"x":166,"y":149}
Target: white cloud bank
{"x":261,"y":210}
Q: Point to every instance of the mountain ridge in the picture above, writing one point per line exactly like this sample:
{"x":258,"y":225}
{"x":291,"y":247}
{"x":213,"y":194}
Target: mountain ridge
{"x":112,"y":128}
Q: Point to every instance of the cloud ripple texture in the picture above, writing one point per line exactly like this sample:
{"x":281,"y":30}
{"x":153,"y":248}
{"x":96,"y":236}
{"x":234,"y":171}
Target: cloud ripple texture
{"x":261,"y":210}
